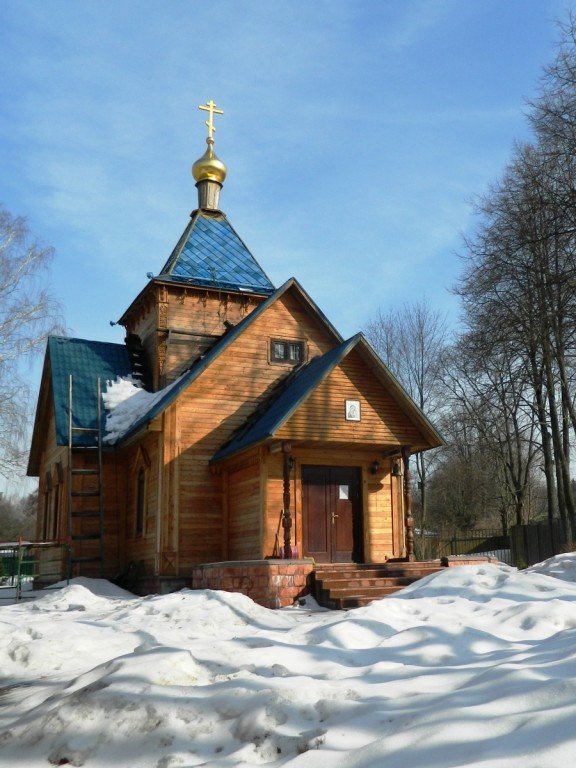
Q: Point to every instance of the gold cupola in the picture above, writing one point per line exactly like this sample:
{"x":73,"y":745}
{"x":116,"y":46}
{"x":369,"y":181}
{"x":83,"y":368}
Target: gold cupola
{"x":209,"y":171}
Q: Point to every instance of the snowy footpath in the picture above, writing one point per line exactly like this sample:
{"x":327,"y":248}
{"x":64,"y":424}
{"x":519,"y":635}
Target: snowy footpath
{"x":474,"y":666}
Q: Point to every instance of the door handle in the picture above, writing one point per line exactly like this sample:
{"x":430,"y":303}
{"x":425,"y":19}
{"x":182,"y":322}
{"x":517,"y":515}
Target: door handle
{"x":334,"y":516}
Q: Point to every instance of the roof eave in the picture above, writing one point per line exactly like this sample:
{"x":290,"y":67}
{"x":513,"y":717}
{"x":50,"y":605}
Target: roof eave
{"x":288,"y":412}
{"x":34,"y":456}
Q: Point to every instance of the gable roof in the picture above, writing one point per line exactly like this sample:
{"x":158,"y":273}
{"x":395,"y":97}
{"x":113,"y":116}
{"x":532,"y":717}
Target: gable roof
{"x":173,"y":391}
{"x":267,"y":423}
{"x":86,"y":361}
{"x":298,"y":387}
{"x":211,"y":254}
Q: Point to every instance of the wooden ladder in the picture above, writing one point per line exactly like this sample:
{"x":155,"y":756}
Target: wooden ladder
{"x":85,"y":507}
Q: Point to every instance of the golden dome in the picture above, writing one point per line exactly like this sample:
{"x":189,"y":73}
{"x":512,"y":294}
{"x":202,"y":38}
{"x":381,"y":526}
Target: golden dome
{"x":209,"y":167}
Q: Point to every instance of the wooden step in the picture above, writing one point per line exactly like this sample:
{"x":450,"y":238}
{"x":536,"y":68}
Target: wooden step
{"x":342,"y":586}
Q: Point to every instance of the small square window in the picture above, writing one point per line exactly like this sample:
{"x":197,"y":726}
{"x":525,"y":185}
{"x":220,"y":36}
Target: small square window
{"x":286,"y":351}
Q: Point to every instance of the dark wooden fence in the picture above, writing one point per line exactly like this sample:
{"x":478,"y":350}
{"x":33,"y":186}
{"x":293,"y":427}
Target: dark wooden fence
{"x":533,"y":543}
{"x":481,"y":541}
{"x":524,"y":546}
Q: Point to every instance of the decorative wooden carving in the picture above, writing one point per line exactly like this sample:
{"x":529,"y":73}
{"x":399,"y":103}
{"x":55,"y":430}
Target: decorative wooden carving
{"x":163,"y":315}
{"x":409,"y":520}
{"x":286,"y":516}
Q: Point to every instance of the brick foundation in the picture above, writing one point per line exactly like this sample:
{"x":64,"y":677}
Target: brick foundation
{"x":271,"y":583}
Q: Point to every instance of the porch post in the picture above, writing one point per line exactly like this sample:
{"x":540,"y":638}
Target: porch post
{"x":286,"y":516}
{"x":408,"y":519}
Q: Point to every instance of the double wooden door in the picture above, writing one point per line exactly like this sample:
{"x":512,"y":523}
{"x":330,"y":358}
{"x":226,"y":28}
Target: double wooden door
{"x":332,"y":514}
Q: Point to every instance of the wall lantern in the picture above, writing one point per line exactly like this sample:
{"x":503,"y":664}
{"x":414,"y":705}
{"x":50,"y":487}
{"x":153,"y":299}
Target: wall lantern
{"x":396,"y":469}
{"x":375,"y":466}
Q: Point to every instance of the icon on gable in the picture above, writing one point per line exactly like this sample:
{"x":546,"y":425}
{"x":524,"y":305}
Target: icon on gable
{"x":352,"y":410}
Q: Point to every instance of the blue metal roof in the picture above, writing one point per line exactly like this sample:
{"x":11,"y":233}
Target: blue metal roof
{"x":211,"y":254}
{"x":86,"y":361}
{"x":276,"y":413}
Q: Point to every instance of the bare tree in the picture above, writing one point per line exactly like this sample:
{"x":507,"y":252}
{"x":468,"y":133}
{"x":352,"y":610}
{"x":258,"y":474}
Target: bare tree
{"x":518,"y":295}
{"x":18,"y":517}
{"x":491,"y":391}
{"x":411,"y":341}
{"x":28,"y":313}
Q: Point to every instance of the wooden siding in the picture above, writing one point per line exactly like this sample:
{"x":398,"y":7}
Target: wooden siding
{"x":51,"y":518}
{"x":217,"y":404}
{"x":53,"y":521}
{"x":322,"y":418}
{"x":195,"y":513}
{"x":142,"y":547}
{"x":178,"y":323}
{"x":197,"y":319}
{"x":142,"y":321}
{"x":273,"y":531}
{"x":245,"y":511}
{"x":379,"y":523}
{"x":383,"y":520}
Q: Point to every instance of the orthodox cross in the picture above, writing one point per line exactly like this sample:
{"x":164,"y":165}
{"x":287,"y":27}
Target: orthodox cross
{"x":211,"y":109}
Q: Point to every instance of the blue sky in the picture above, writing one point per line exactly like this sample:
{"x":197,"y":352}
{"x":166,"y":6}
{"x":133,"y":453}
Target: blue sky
{"x":355,"y":133}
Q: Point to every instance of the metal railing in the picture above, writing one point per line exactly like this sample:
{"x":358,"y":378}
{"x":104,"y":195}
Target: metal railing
{"x":28,"y":568}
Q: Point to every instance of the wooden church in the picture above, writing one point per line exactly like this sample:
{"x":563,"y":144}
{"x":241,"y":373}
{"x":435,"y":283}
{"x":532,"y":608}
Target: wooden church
{"x":257,"y":444}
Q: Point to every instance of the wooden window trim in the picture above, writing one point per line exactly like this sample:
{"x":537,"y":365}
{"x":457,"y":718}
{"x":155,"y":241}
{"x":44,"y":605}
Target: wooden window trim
{"x":286,"y":358}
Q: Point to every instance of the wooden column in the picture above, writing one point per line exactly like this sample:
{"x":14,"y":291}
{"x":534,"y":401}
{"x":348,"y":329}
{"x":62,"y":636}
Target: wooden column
{"x":286,"y":516}
{"x":408,"y":519}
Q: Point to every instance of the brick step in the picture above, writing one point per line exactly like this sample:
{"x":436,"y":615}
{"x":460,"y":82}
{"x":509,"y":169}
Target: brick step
{"x":375,"y":591}
{"x":375,"y":573}
{"x":346,"y":603}
{"x":337,"y":598}
{"x":342,"y":586}
{"x":364,"y":582}
{"x":393,"y":575}
{"x":390,"y":567}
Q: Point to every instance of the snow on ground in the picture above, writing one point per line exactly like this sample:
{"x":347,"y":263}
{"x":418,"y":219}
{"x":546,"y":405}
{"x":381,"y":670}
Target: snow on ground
{"x":474,"y":666}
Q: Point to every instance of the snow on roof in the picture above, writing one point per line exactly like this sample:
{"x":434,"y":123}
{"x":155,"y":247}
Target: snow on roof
{"x":126,"y":403}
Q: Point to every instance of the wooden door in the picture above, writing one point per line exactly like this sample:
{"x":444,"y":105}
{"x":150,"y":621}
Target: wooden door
{"x":332,"y":521}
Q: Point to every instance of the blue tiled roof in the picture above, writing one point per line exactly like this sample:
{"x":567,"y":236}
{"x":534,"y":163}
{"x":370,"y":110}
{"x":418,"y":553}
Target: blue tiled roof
{"x":86,"y":361}
{"x":211,"y":254}
{"x":297,"y":389}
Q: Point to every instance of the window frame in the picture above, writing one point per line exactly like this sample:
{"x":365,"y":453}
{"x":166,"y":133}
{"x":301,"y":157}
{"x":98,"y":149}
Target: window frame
{"x":288,"y":345}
